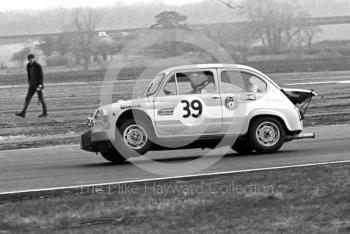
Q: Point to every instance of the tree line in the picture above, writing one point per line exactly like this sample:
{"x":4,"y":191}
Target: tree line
{"x":276,"y":26}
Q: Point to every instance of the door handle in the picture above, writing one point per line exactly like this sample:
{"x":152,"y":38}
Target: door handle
{"x":249,"y":97}
{"x":215,"y":97}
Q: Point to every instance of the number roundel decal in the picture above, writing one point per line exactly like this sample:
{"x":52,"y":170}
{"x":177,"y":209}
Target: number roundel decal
{"x":190,"y":111}
{"x":231,"y":103}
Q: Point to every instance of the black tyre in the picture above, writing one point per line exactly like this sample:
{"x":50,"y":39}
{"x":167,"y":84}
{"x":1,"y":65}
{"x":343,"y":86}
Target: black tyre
{"x":136,"y":136}
{"x":112,"y":155}
{"x":242,"y":146}
{"x":267,"y":135}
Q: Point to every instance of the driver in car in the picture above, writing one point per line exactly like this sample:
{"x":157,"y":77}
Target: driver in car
{"x":199,"y":81}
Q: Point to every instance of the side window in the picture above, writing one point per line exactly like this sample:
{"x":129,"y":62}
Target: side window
{"x":254,"y":83}
{"x":232,"y":82}
{"x":184,"y":84}
{"x":237,"y":81}
{"x":196,"y":82}
{"x":170,"y":87}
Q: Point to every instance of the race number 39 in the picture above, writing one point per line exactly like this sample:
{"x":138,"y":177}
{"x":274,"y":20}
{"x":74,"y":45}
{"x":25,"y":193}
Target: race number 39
{"x":193,"y":109}
{"x":190,"y":111}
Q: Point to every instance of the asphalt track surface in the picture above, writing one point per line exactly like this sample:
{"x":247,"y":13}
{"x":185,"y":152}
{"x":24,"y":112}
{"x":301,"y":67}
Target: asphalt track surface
{"x":63,"y":166}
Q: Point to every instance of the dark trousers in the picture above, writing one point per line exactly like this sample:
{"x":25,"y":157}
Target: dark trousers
{"x":29,"y":96}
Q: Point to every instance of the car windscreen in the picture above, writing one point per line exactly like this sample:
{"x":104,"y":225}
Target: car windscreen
{"x":153,"y":86}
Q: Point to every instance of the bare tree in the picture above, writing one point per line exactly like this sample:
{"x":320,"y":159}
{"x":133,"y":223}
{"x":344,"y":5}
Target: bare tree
{"x":105,"y":48}
{"x":275,"y":22}
{"x":21,"y":55}
{"x":237,"y":40}
{"x":310,"y":33}
{"x":85,"y":22}
{"x":63,"y":44}
{"x":47,"y":45}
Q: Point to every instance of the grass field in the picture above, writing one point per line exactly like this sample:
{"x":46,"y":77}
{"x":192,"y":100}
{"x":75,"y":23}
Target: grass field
{"x":300,"y":200}
{"x":70,"y":104}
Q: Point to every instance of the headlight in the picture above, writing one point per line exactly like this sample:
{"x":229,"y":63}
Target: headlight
{"x":99,"y":117}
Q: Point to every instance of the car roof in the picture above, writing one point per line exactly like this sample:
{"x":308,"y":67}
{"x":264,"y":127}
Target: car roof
{"x":207,"y":66}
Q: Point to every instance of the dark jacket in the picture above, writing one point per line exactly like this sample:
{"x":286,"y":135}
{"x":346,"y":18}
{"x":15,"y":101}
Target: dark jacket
{"x":35,"y":75}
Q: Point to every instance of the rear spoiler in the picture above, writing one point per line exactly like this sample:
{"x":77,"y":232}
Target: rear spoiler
{"x":301,"y":98}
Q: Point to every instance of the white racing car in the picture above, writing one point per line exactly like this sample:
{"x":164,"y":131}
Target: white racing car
{"x":200,"y":106}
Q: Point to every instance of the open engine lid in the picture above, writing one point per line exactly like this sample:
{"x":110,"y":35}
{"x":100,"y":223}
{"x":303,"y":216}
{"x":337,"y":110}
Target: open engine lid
{"x":299,"y":96}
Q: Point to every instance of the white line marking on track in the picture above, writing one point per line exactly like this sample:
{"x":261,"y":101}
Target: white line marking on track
{"x":42,"y":148}
{"x":173,"y":177}
{"x":320,"y":82}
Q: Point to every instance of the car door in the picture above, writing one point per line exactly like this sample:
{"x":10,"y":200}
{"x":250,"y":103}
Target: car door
{"x":189,"y":103}
{"x":240,"y":92}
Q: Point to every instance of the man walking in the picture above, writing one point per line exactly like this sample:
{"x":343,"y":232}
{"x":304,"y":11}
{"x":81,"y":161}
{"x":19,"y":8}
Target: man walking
{"x":35,"y":81}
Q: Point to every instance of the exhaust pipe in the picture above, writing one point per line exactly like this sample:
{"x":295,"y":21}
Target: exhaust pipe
{"x":303,"y":136}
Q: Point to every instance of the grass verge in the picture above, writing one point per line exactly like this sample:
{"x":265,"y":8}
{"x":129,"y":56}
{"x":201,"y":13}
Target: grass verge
{"x":299,"y":200}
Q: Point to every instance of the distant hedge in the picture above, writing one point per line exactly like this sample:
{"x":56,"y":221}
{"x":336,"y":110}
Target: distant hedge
{"x":55,"y":61}
{"x":274,"y":66}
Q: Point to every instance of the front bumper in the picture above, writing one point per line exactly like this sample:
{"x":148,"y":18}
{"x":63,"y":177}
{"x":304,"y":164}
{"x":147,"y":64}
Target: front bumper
{"x":95,"y":140}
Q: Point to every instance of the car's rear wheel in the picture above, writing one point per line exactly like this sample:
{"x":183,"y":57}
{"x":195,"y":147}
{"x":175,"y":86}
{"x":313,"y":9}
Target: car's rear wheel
{"x":267,"y":134}
{"x":242,"y":146}
{"x":136,"y":136}
{"x":112,"y":155}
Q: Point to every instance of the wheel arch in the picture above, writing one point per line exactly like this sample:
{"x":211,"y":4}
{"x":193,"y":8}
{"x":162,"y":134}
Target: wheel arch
{"x":141,"y":118}
{"x":133,"y":114}
{"x":284,"y":121}
{"x":271,"y":116}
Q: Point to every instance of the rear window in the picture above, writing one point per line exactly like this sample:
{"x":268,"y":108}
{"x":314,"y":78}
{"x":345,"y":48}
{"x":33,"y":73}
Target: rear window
{"x":238,"y":81}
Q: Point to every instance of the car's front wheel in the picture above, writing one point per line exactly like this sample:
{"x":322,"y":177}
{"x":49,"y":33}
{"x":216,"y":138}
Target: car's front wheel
{"x":267,"y":135}
{"x":136,"y":136}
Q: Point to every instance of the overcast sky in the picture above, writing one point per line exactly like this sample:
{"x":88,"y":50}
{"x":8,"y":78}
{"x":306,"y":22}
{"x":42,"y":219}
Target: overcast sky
{"x":47,"y":4}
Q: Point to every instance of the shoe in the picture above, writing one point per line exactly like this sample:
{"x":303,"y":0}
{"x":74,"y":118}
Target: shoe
{"x":21,"y":114}
{"x":43,"y":115}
